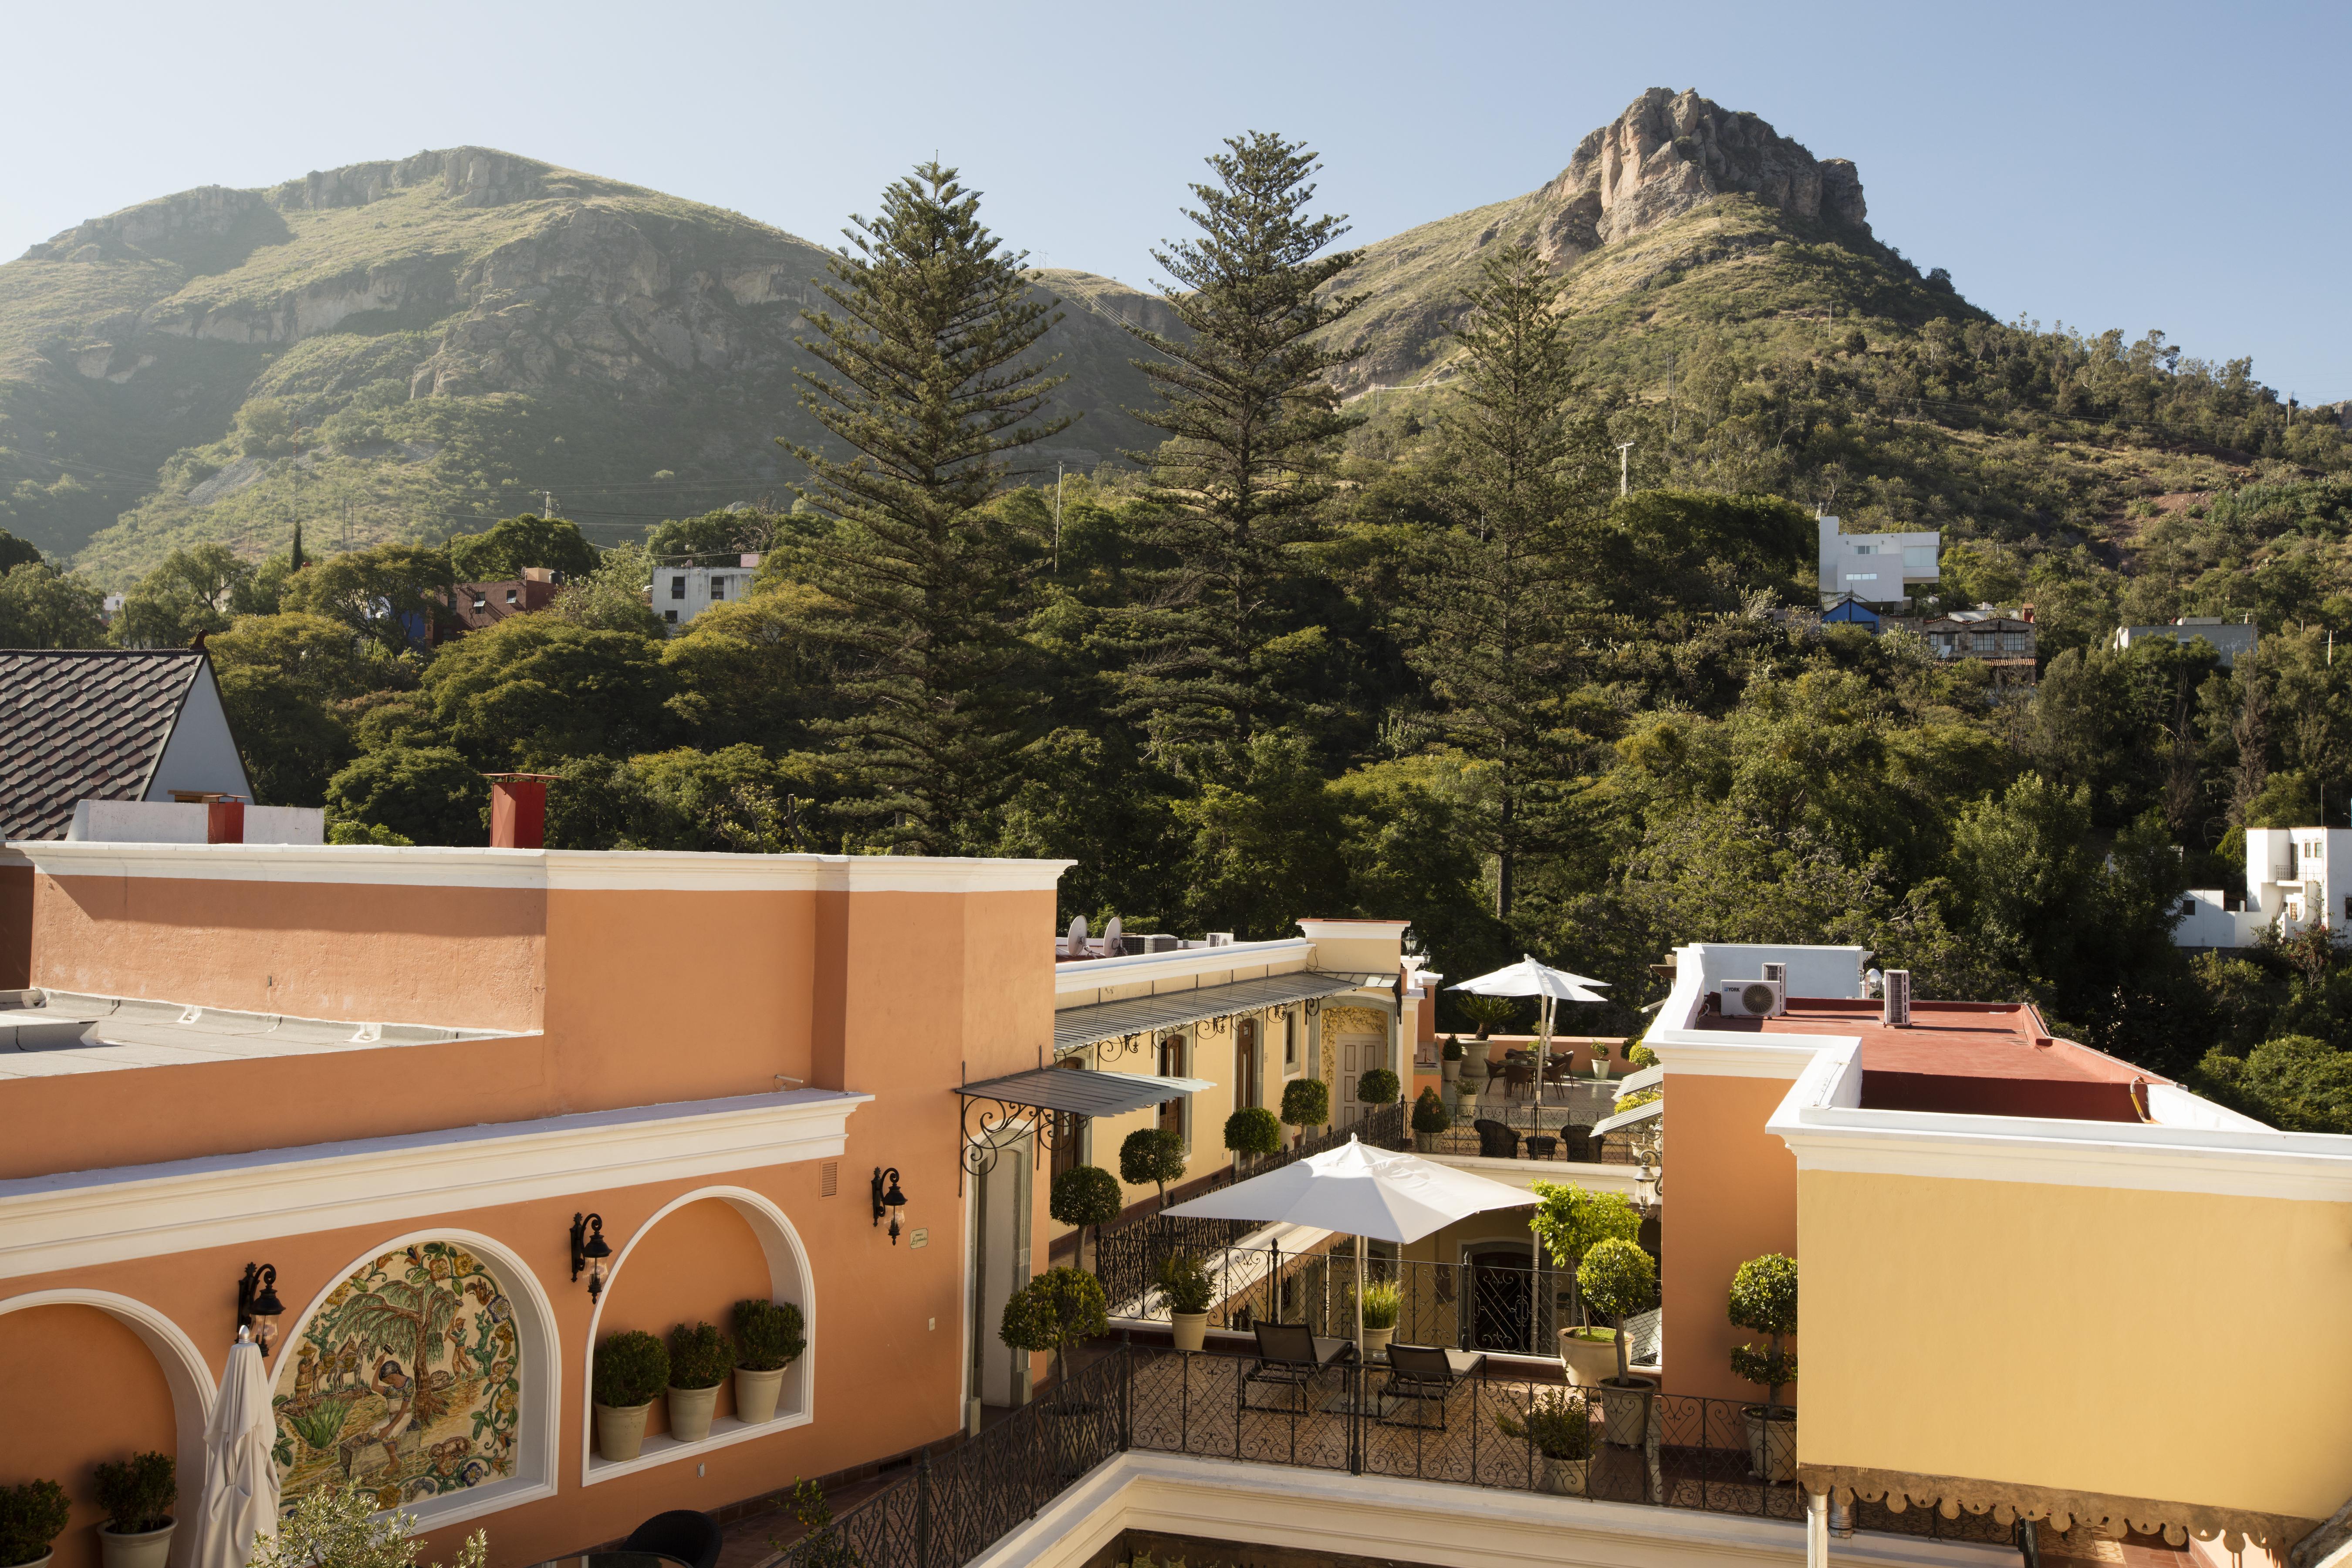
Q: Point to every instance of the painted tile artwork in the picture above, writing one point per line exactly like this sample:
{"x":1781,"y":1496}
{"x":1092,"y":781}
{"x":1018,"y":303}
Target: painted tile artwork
{"x":405,"y":1380}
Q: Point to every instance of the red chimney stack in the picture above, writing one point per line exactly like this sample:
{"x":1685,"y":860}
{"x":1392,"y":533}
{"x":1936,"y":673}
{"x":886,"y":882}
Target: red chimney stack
{"x":518,"y":810}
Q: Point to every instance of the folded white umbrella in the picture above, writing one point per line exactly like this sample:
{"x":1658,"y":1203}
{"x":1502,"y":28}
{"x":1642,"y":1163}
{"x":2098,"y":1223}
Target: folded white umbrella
{"x":241,"y":1500}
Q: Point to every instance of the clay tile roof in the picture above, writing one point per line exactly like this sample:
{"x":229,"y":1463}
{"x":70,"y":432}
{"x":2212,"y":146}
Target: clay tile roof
{"x":82,"y":725}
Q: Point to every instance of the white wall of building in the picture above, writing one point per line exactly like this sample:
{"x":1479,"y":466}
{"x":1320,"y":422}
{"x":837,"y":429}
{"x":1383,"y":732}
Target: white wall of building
{"x":1876,"y":568}
{"x":201,"y":756}
{"x":682,"y":592}
{"x":2295,"y":876}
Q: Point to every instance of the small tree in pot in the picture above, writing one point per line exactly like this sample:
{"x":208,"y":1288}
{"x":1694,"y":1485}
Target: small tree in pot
{"x":1086,"y":1195}
{"x":1764,"y":1301}
{"x":1184,"y":1285}
{"x":1617,"y":1279}
{"x":769,"y":1337}
{"x":1152,"y":1156}
{"x":700,"y":1360}
{"x":342,"y":1526}
{"x":1430,"y":1121}
{"x":1306,"y":1102}
{"x":632,"y":1369}
{"x":1571,"y":1222}
{"x":1252,"y":1132}
{"x":137,"y":1494}
{"x":1449,"y":1061}
{"x":1056,"y":1312}
{"x":1378,"y":1086}
{"x":32,"y":1516}
{"x":1559,"y":1428}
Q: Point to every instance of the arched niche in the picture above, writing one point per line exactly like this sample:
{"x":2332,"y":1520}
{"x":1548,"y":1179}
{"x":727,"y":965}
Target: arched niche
{"x":788,"y":1279}
{"x":433,"y":1461}
{"x":186,"y":1375}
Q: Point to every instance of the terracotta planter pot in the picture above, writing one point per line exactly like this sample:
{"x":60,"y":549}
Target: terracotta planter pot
{"x":690,"y":1410}
{"x":621,"y":1429}
{"x":1190,"y":1330}
{"x":756,"y":1392}
{"x":1772,"y":1443}
{"x":1563,"y":1478}
{"x":1587,"y":1361}
{"x":1376,"y":1342}
{"x":148,"y":1549}
{"x":1625,"y":1410}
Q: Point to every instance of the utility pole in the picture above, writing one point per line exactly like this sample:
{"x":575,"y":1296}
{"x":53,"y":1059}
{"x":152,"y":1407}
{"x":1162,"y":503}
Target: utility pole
{"x":547,"y":503}
{"x":1624,"y":488}
{"x":1057,"y":517}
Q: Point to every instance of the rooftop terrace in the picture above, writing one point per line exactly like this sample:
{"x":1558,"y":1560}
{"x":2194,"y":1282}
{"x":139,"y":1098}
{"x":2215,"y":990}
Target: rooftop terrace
{"x":47,"y":1034}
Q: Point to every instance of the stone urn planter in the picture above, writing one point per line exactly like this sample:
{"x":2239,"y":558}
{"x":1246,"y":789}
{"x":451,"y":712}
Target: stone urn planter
{"x":756,"y":1392}
{"x":1376,"y":1342}
{"x":1427,"y":1142}
{"x":147,"y":1549}
{"x":1588,"y":1362}
{"x":1563,"y":1478}
{"x":690,"y":1410}
{"x":1771,"y":1443}
{"x":621,"y":1429}
{"x":1473,"y":1067}
{"x":1625,"y":1409}
{"x":1189,"y":1330}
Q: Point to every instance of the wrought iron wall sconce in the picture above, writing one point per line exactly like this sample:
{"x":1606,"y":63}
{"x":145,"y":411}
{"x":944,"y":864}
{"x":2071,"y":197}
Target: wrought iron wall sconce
{"x":257,"y":1306}
{"x":888,"y":1200}
{"x":589,"y":1251}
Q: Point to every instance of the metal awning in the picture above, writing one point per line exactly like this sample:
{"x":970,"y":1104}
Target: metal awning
{"x":1081,"y":1093}
{"x":1075,"y":1028}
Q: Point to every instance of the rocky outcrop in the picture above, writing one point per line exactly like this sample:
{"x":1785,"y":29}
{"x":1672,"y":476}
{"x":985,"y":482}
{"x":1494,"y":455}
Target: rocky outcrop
{"x":1670,"y":152}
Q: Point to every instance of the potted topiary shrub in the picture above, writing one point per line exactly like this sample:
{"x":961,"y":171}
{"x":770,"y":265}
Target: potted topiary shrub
{"x":1153,"y":1157}
{"x":1378,"y":1086}
{"x":1186,"y":1286}
{"x":1617,"y":1279}
{"x":1086,"y":1195}
{"x":137,"y":1495}
{"x":1382,"y":1303}
{"x":1449,"y":1061}
{"x":33,"y":1514}
{"x":700,"y":1360}
{"x":1430,"y":1121}
{"x":1056,"y":1312}
{"x":632,"y":1369}
{"x":1569,"y":1222}
{"x":769,"y":1337}
{"x":1764,"y":1301}
{"x":1559,"y":1428}
{"x":1252,"y":1132}
{"x":1306,"y":1102}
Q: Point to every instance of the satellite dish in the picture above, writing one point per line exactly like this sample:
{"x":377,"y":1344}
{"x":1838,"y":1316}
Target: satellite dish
{"x":1110,"y":938}
{"x":1075,"y":945}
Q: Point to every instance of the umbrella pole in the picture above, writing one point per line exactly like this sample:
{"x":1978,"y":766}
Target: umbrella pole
{"x":1361,"y":1372}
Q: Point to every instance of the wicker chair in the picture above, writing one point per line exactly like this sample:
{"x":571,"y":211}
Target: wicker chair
{"x":1495,"y":1142}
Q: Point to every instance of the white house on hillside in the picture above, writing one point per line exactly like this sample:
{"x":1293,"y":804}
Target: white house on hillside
{"x":1876,"y":568}
{"x":2290,"y":882}
{"x":681,"y":593}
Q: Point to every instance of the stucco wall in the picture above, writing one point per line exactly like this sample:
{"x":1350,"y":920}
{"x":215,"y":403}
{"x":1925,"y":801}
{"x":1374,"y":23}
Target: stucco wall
{"x":691,"y":1267}
{"x":1731,"y":1194}
{"x":77,"y":1389}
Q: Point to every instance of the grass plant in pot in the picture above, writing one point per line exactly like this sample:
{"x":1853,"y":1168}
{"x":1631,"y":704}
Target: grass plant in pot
{"x":1056,"y":1312}
{"x":33,"y":1514}
{"x":1382,"y":1303}
{"x":1764,"y":1301}
{"x":1429,"y":1122}
{"x":1559,"y":1428}
{"x":1186,"y":1286}
{"x":769,"y":1337}
{"x":700,"y":1360}
{"x":137,"y":1494}
{"x":1617,"y":1279}
{"x":1449,"y":1062}
{"x":1571,"y":1221}
{"x":632,"y":1369}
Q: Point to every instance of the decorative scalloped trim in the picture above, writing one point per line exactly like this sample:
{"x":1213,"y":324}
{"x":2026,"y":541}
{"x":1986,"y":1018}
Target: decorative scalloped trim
{"x":2008,"y":1501}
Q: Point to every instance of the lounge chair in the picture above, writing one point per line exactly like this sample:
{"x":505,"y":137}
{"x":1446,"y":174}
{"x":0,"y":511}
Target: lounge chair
{"x":1291,"y":1355}
{"x":1495,"y":1142}
{"x":681,"y":1534}
{"x":1421,"y":1374}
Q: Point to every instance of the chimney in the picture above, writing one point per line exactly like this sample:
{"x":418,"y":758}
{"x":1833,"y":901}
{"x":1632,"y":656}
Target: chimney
{"x":518,"y":810}
{"x":2025,"y":614}
{"x":1896,"y":1010}
{"x":225,"y":821}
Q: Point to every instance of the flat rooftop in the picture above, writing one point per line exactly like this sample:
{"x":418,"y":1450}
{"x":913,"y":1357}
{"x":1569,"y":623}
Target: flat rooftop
{"x":45,"y":1034}
{"x":1987,"y":1058}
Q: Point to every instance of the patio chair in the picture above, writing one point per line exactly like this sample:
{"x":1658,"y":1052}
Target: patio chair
{"x":682,"y":1534}
{"x":1495,"y":1142}
{"x":1419,"y":1373}
{"x":1518,"y":1074}
{"x":1291,"y":1356}
{"x":1578,"y":1139}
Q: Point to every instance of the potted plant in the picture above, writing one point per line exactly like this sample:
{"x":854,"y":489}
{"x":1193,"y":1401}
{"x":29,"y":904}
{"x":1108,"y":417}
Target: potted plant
{"x":769,"y":1337}
{"x":1186,"y":1286}
{"x":1449,"y":1062}
{"x":1486,"y":1012}
{"x":1306,"y":1102}
{"x":1086,"y":1195}
{"x":1382,"y":1303}
{"x":345,"y":1524}
{"x":1253,"y":1132}
{"x":631,"y":1370}
{"x":1430,"y":1121}
{"x":1569,"y":1222}
{"x":33,"y":1514}
{"x":1764,"y":1301}
{"x":1560,"y":1430}
{"x":137,"y":1495}
{"x":1153,"y":1157}
{"x":700,"y":1360}
{"x":1617,"y":1279}
{"x":1056,"y":1312}
{"x":1378,"y":1086}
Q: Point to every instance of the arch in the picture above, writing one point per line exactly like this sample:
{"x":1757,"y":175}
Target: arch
{"x":539,"y":1427}
{"x":184,"y":1373}
{"x":789,"y":1280}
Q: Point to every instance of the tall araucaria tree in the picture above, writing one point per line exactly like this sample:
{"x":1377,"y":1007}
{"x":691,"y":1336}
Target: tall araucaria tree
{"x":1251,"y":421}
{"x":929,"y":376}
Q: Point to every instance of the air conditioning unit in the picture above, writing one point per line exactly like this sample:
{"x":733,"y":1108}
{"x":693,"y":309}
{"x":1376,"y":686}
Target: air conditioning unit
{"x":1755,"y":998}
{"x":1220,"y":939}
{"x":1895,"y":1004}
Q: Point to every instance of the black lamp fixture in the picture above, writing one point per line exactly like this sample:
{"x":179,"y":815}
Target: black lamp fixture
{"x":888,"y":1200}
{"x":589,"y":1251}
{"x":257,"y":1306}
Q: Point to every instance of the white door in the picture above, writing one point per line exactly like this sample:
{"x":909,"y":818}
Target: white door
{"x":1359,"y":1054}
{"x":1000,"y":1267}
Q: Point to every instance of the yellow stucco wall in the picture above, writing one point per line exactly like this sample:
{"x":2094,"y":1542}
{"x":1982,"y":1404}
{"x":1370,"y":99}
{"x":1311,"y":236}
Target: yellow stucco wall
{"x":2175,"y":1346}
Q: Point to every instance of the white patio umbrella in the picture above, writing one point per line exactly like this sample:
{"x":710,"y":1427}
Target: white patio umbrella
{"x":1529,"y":978}
{"x":1364,"y":1192}
{"x":241,"y":1500}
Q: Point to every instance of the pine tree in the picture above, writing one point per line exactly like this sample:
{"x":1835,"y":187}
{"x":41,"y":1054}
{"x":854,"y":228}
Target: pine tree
{"x":931,"y":380}
{"x":1251,"y":421}
{"x":1498,"y":610}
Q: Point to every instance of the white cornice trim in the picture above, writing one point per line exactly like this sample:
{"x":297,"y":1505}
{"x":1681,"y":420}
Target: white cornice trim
{"x":1347,"y":930}
{"x":566,"y":871}
{"x":11,"y":856}
{"x":1086,"y":975}
{"x":1712,"y":1053}
{"x":79,"y":1218}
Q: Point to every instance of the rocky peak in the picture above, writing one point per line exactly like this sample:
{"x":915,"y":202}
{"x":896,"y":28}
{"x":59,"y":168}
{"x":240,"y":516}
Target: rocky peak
{"x":1669,"y":153}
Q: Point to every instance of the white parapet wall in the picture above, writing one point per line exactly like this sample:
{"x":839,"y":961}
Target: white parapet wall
{"x":170,"y":822}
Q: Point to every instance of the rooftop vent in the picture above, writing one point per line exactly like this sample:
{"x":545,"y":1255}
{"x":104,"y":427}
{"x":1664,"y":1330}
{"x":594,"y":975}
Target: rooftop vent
{"x":1895,"y":1009}
{"x":1778,"y":972}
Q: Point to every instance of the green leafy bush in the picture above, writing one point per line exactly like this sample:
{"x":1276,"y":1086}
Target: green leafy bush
{"x":1153,"y":1156}
{"x":699,"y":1357}
{"x":632,"y":1368}
{"x":1764,"y":1301}
{"x":338,"y":1526}
{"x":1253,"y":1130}
{"x":1306,"y":1102}
{"x":768,"y":1334}
{"x":1184,"y":1283}
{"x":427,"y":794}
{"x":1638,"y":1097}
{"x":1378,"y":1087}
{"x":1057,"y":1309}
{"x":1641,"y":1055}
{"x":32,"y":1513}
{"x":137,"y":1493}
{"x":1555,"y":1421}
{"x":1429,"y":1113}
{"x":1618,"y":1279}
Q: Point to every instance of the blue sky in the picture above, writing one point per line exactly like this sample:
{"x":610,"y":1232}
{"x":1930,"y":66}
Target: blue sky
{"x":2169,"y":166}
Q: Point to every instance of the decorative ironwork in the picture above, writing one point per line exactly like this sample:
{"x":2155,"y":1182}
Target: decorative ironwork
{"x":990,"y":1126}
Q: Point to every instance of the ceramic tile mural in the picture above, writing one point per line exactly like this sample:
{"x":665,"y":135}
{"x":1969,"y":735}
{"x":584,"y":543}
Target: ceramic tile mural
{"x":406,"y":1380}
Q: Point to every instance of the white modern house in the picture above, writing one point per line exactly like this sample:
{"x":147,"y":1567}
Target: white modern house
{"x":1876,"y":568}
{"x":2230,"y":639}
{"x":682,"y":592}
{"x":2290,"y":883}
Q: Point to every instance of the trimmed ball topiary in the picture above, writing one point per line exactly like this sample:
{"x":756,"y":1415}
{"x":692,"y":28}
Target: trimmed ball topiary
{"x":1057,"y":1309}
{"x":1153,"y":1156}
{"x":632,"y":1369}
{"x":1618,"y":1279}
{"x":1429,"y":1113}
{"x":768,"y":1334}
{"x":1764,"y":1301}
{"x":1378,"y":1087}
{"x":1306,"y":1102}
{"x":699,"y":1357}
{"x":1253,"y":1130}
